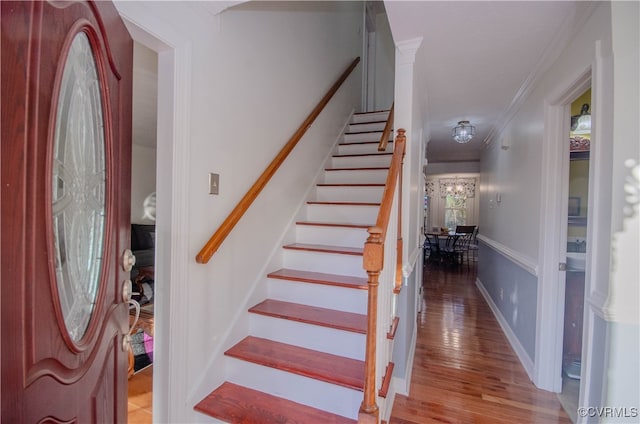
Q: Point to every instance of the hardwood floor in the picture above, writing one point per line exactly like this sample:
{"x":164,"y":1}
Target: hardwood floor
{"x":464,"y":369}
{"x":140,"y":396}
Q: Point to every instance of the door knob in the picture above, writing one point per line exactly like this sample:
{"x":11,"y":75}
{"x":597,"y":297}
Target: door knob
{"x":127,"y":291}
{"x":128,"y":260}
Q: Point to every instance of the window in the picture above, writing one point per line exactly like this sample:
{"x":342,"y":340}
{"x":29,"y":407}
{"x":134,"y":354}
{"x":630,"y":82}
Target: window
{"x":455,"y":211}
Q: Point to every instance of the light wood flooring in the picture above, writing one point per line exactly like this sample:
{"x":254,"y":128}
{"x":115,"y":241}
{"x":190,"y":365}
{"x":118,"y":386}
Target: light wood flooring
{"x":140,"y":394}
{"x":464,"y":369}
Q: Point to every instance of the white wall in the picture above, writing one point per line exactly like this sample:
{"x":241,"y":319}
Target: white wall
{"x":433,"y":168}
{"x":143,"y":180}
{"x":623,"y":385}
{"x":385,"y":64}
{"x":519,"y":222}
{"x":526,"y":226}
{"x":252,"y":74}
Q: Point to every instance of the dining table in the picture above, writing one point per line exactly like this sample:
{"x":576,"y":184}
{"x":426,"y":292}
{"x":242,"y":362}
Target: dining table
{"x":442,"y":247}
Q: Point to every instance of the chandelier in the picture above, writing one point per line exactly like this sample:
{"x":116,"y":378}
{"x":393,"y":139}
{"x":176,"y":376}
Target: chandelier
{"x":463,"y":132}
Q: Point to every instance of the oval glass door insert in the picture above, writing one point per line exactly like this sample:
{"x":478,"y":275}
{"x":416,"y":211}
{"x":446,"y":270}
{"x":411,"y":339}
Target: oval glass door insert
{"x":79,"y":188}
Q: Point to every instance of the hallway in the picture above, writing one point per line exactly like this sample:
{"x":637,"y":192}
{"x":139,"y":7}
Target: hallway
{"x":464,"y":368}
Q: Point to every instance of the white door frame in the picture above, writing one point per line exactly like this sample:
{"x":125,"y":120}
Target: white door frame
{"x":551,"y":283}
{"x":174,"y":90}
{"x":551,"y":287}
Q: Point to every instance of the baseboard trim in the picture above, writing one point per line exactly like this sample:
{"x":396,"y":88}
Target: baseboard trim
{"x":401,"y":385}
{"x":521,"y":353}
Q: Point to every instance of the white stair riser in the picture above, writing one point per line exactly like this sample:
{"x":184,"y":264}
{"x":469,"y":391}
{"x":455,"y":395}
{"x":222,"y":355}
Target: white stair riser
{"x":370,"y":117}
{"x":361,"y":148}
{"x":364,"y":136}
{"x":349,"y":214}
{"x":378,"y":176}
{"x":349,"y":194}
{"x":338,"y":236}
{"x":366,"y":126}
{"x":324,"y":262}
{"x":310,"y":336}
{"x":320,"y":295}
{"x":318,"y":394}
{"x":366,"y":161}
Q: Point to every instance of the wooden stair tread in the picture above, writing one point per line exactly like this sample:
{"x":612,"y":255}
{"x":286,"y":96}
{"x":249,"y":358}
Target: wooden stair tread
{"x":362,"y":154}
{"x":344,"y":250}
{"x":347,"y":321}
{"x":237,"y":404}
{"x":344,"y":203}
{"x":349,"y":185}
{"x":359,"y":143}
{"x":310,"y":363}
{"x":346,"y":281}
{"x":373,"y":168}
{"x":334,"y":224}
{"x":364,"y":132}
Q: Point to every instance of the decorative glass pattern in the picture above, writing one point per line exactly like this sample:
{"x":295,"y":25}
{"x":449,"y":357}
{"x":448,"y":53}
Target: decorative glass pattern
{"x":79,"y":188}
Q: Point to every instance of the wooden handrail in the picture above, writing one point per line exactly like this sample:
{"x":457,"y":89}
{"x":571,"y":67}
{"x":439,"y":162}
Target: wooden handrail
{"x":399,"y":244}
{"x":384,"y":213}
{"x":384,"y":140}
{"x":230,"y":222}
{"x":373,"y":259}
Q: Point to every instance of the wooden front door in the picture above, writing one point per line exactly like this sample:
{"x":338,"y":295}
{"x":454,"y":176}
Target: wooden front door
{"x":65,"y":176}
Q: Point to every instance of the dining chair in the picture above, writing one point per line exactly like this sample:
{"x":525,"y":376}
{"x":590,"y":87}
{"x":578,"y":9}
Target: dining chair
{"x":464,"y":229}
{"x":473,"y":246}
{"x":448,"y":251}
{"x":431,"y":249}
{"x":463,"y":245}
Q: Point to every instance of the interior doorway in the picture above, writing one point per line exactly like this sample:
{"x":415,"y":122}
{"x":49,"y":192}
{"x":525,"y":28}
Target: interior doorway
{"x":143,"y":230}
{"x":576,"y":248}
{"x":172,"y":261}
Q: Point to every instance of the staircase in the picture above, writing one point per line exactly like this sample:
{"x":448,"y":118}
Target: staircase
{"x":304,"y":359}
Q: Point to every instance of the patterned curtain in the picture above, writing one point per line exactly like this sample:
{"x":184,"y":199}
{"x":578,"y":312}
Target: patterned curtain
{"x":468,"y":186}
{"x":430,"y":188}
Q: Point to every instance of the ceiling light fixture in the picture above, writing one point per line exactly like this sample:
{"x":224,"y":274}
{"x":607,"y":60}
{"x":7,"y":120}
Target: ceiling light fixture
{"x":463,"y":132}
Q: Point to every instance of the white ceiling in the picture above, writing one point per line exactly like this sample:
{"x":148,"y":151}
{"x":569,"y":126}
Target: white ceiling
{"x":474,"y":59}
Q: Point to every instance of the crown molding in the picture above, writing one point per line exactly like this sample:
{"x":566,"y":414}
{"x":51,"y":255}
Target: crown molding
{"x":407,"y":50}
{"x":551,"y":53}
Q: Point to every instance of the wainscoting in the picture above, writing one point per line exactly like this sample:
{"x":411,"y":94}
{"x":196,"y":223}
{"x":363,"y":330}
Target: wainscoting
{"x":510,"y":283}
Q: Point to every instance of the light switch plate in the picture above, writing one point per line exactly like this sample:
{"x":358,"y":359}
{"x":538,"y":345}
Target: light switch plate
{"x":214,"y":183}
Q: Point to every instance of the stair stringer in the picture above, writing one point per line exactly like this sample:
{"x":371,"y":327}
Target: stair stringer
{"x":239,"y":326}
